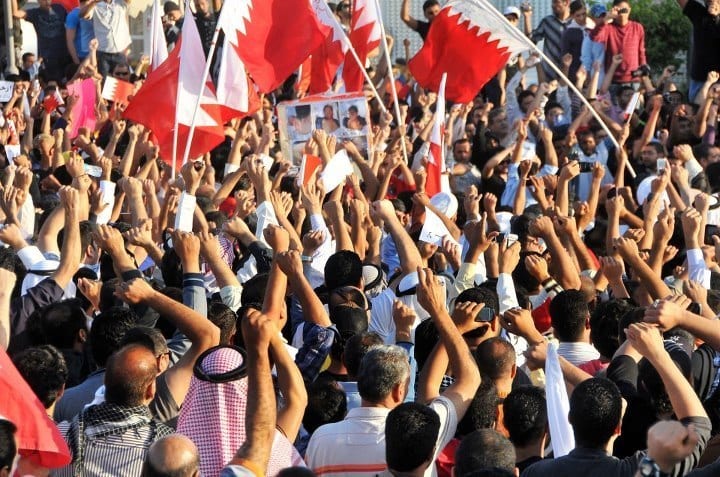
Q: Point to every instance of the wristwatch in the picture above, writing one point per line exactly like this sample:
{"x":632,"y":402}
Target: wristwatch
{"x":649,"y":468}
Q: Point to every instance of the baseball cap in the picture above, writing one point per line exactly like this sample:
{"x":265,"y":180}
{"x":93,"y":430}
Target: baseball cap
{"x":510,"y":10}
{"x":598,"y":10}
{"x":445,"y":202}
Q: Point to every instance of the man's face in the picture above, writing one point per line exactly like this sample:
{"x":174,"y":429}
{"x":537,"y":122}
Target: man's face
{"x":201,"y":6}
{"x":527,"y":101}
{"x":44,"y":4}
{"x":431,"y":12}
{"x":512,"y":19}
{"x":623,"y":10}
{"x":174,"y":16}
{"x":713,"y":155}
{"x":649,"y":156}
{"x":122,"y":72}
{"x":580,"y":16}
{"x":499,"y":125}
{"x":587,"y":144}
{"x":560,"y":7}
{"x":713,"y":7}
{"x":625,"y":97}
{"x":461,"y":152}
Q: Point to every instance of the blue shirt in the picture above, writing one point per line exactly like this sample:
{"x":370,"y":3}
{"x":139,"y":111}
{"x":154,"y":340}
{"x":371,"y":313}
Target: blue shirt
{"x":83,"y":32}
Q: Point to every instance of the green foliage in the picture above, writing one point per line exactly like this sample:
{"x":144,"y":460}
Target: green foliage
{"x":667,"y":31}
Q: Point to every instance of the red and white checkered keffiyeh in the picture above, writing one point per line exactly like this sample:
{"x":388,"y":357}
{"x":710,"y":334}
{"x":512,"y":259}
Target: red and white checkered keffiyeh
{"x":213,"y":417}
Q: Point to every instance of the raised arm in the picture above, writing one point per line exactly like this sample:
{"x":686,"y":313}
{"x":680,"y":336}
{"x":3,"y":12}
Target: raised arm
{"x":404,"y":15}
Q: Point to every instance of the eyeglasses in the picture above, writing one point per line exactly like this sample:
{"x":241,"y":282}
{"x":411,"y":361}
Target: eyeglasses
{"x":344,"y":6}
{"x":122,"y":73}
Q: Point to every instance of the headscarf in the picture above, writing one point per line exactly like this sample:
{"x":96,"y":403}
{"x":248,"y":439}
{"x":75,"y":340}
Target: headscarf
{"x":213,"y":416}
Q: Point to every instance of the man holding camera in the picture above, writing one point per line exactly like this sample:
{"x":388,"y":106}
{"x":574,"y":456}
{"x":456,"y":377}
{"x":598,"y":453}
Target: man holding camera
{"x":620,"y":35}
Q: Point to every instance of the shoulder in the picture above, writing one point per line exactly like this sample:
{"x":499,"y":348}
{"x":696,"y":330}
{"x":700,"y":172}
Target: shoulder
{"x":694,"y":10}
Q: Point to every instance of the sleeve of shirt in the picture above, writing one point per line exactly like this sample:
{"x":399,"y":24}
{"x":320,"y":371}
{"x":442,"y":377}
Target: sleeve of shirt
{"x":262,"y":254}
{"x":563,"y":98}
{"x":39,"y":296}
{"x":697,"y":269}
{"x":539,"y":33}
{"x":623,"y":371}
{"x":511,"y":102}
{"x":511,"y":187}
{"x":265,"y":216}
{"x":641,"y":42}
{"x":317,"y":342}
{"x":600,"y":33}
{"x":506,"y":292}
{"x":72,"y":20}
{"x":193,"y":297}
{"x":381,"y":316}
{"x":465,"y":277}
{"x":693,"y":167}
{"x":445,"y":409}
{"x":230,"y":297}
{"x":702,"y":427}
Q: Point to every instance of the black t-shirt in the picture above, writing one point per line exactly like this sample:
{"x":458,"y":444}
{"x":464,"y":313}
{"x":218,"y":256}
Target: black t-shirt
{"x":706,"y":37}
{"x":422,"y":28}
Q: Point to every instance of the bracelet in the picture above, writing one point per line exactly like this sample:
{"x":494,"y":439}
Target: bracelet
{"x":306,"y":258}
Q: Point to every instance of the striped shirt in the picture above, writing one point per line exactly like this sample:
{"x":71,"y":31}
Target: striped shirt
{"x":551,"y":30}
{"x":114,"y":446}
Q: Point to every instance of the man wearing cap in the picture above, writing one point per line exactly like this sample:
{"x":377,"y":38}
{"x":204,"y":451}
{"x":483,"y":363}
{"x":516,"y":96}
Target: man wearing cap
{"x":430,"y":8}
{"x":593,"y":51}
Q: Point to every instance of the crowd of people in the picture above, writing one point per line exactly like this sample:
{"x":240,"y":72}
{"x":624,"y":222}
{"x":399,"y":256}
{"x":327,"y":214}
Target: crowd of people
{"x":560,"y":318}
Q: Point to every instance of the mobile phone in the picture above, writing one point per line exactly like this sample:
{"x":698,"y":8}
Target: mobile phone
{"x":486,"y":315}
{"x":508,"y":238}
{"x":198,"y":164}
{"x":623,"y":10}
{"x":573,"y":156}
{"x":695,"y":308}
{"x":612,"y":193}
{"x":586,"y":167}
{"x":661,"y":165}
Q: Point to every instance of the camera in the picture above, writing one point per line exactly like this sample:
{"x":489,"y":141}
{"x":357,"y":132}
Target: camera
{"x":624,"y":10}
{"x":644,"y":70}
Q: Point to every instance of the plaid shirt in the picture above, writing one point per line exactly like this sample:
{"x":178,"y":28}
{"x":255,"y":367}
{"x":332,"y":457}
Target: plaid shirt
{"x":317,"y":342}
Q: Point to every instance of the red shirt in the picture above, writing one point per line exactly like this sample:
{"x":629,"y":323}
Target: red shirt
{"x":628,"y":40}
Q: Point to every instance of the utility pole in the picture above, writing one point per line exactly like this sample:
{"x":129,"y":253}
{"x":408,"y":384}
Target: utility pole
{"x":9,"y":40}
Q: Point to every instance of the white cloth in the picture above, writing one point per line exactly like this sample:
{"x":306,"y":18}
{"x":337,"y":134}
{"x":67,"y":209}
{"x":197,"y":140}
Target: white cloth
{"x":558,"y":405}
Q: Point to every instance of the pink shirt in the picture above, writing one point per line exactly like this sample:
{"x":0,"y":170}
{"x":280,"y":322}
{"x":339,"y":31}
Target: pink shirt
{"x":628,"y":40}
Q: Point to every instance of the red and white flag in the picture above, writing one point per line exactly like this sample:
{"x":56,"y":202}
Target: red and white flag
{"x":436,"y":157}
{"x":326,"y":59}
{"x":52,"y":101}
{"x":235,"y":91}
{"x":470,"y":43}
{"x":117,"y":91}
{"x":276,"y":37}
{"x":365,"y":36}
{"x":158,"y":45}
{"x":172,"y":90}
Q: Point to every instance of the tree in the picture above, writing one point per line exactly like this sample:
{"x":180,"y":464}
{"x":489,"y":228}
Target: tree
{"x":667,"y":31}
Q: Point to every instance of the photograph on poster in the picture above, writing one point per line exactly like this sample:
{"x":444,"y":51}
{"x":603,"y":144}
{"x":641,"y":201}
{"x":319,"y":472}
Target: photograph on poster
{"x":326,"y":117}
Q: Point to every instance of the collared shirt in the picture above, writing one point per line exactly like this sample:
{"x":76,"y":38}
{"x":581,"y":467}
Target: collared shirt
{"x":578,"y":353}
{"x":356,"y":445}
{"x":110,"y":22}
{"x":76,"y":398}
{"x":114,"y":440}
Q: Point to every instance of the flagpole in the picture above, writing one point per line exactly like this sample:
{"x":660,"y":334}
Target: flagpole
{"x":391,"y":78}
{"x":206,"y":73}
{"x":338,"y":27}
{"x":520,"y":37}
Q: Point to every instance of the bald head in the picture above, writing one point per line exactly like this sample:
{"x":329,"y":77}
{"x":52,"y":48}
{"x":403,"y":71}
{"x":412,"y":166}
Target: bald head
{"x":130,"y":376}
{"x":172,"y":456}
{"x":496,"y":359}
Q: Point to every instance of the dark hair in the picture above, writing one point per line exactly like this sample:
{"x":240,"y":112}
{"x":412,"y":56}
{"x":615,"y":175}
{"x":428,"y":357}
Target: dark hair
{"x":524,"y":94}
{"x":521,"y":276}
{"x":151,"y":338}
{"x":482,"y":411}
{"x":430,"y":3}
{"x":253,"y":292}
{"x":604,"y":325}
{"x":495,"y":358}
{"x":595,"y":411}
{"x":618,"y":2}
{"x":411,"y":430}
{"x":8,"y":448}
{"x":461,"y":141}
{"x":327,"y":403}
{"x":525,"y":415}
{"x":224,"y":318}
{"x":355,"y":349}
{"x":481,"y":294}
{"x":576,"y":5}
{"x":483,"y":449}
{"x":57,"y":324}
{"x":171,"y":268}
{"x":126,"y":382}
{"x":343,"y":268}
{"x":296,"y":472}
{"x":44,"y":369}
{"x":108,"y":330}
{"x":569,"y":313}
